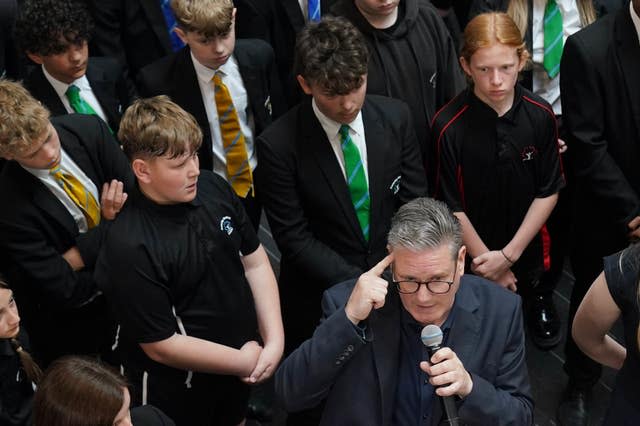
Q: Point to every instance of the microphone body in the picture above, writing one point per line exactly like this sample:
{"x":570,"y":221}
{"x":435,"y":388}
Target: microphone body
{"x":432,"y":338}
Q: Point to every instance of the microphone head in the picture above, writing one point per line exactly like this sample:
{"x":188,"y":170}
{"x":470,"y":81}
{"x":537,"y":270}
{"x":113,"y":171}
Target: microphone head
{"x":431,"y":336}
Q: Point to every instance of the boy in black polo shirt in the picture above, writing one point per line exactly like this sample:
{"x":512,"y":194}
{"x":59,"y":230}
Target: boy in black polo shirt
{"x":498,"y":165}
{"x":186,"y":275}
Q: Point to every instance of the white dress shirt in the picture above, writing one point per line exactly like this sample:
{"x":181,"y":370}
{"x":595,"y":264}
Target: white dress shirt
{"x":543,"y":86}
{"x":85,"y":92}
{"x":356,"y":131}
{"x":67,"y":165}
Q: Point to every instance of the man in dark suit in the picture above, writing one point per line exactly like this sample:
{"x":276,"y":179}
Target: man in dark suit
{"x":54,"y":34}
{"x":601,"y":102}
{"x":135,"y":32}
{"x":308,"y":185}
{"x":65,"y":178}
{"x":246,"y":67}
{"x":366,"y":356}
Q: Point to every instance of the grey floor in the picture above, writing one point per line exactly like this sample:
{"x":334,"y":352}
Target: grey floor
{"x":545,"y":368}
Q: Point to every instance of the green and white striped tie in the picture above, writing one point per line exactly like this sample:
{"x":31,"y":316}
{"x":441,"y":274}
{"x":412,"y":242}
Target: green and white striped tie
{"x":356,"y":179}
{"x":552,"y":38}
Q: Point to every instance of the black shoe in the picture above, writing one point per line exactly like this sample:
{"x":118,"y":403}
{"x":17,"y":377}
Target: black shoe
{"x":572,"y":410}
{"x":543,"y":321}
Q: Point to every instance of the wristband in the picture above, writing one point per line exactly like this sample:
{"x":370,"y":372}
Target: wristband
{"x":505,"y":256}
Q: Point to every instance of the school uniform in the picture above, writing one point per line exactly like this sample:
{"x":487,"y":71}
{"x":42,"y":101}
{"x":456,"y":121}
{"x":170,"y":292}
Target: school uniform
{"x":176,"y":269}
{"x":62,"y":308}
{"x":492,"y":168}
{"x":258,"y":99}
{"x":104,"y":87}
{"x":16,"y":390}
{"x":134,"y":32}
{"x":308,"y":203}
{"x":414,"y":60}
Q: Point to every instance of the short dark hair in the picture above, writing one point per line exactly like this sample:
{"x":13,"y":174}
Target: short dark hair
{"x":48,"y":27}
{"x":332,"y":54}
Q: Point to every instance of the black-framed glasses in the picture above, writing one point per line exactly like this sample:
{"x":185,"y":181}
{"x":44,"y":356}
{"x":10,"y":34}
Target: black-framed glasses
{"x":434,"y":286}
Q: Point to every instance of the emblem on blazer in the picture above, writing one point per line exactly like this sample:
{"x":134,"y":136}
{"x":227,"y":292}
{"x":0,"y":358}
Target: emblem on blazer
{"x":267,"y":105}
{"x":432,"y":80}
{"x":395,"y":185}
{"x":226,"y":225}
{"x":528,"y":153}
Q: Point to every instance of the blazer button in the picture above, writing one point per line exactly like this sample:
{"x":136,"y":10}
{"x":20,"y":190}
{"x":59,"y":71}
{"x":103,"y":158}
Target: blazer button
{"x":350,"y":348}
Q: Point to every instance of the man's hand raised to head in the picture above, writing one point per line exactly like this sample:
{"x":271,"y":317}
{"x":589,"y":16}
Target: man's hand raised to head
{"x":369,"y":292}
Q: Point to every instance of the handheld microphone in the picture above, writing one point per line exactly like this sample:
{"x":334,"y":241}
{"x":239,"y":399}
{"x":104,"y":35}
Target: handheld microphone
{"x":431,"y":337}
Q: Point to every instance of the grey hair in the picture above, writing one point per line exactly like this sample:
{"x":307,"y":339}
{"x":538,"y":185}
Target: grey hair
{"x":425,"y":223}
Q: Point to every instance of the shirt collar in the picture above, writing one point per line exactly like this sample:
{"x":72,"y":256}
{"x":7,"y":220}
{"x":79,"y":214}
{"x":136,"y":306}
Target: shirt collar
{"x":489,"y":112}
{"x":205,"y":74}
{"x":635,"y":18}
{"x":409,"y":321}
{"x":170,"y":210}
{"x":61,"y":88}
{"x":331,"y":127}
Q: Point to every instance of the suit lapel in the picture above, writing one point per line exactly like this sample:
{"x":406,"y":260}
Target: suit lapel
{"x":156,"y":18}
{"x":79,"y":155}
{"x":320,"y":147}
{"x":187,"y":93}
{"x":375,"y":140}
{"x":252,"y":80}
{"x":292,"y":8}
{"x":103,"y":92}
{"x":46,"y":93}
{"x":386,"y":343}
{"x":41,"y":196}
{"x":628,"y":52}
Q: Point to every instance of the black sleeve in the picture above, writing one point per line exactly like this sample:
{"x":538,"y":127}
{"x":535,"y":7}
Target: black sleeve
{"x":621,"y":273}
{"x":277,"y":187}
{"x":447,"y":169}
{"x":113,"y":164}
{"x":584,"y":119}
{"x":250,"y":241}
{"x":41,"y":266}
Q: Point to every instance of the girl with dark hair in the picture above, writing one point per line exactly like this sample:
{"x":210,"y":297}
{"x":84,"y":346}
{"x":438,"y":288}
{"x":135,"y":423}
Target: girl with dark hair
{"x":79,"y":391}
{"x":18,"y":371}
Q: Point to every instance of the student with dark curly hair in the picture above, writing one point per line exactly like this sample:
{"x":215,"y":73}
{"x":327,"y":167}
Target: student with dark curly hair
{"x":54,"y":34}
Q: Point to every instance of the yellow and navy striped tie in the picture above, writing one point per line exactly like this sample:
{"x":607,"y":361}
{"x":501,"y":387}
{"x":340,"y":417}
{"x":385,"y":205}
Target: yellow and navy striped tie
{"x":235,"y":148}
{"x":79,"y":195}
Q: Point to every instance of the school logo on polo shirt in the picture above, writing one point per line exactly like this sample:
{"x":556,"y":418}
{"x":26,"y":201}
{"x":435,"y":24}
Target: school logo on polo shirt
{"x":528,"y":153}
{"x":226,"y":225}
